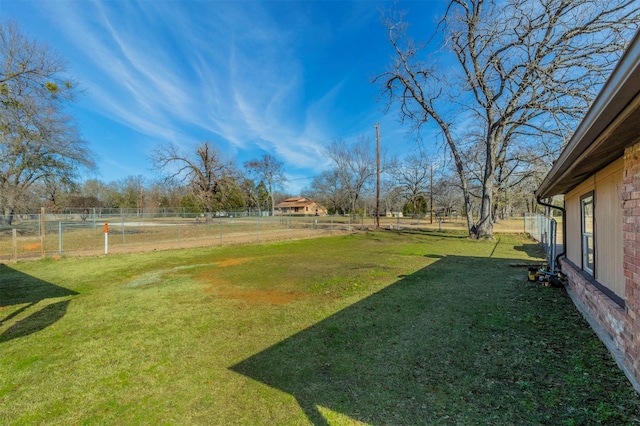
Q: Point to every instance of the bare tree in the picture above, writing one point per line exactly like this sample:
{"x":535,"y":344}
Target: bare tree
{"x":327,"y":188}
{"x":412,"y":176}
{"x":38,"y":141}
{"x":270,"y":171}
{"x":131,"y":192}
{"x":255,"y":195}
{"x":208,"y":174}
{"x":392,"y":197}
{"x":447,"y":194}
{"x":525,"y":68}
{"x":355,"y":167}
{"x":161,"y":193}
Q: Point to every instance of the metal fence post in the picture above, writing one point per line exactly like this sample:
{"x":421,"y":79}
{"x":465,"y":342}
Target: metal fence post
{"x":124,"y":246}
{"x":43,"y":230}
{"x":60,"y":238}
{"x":14,"y":243}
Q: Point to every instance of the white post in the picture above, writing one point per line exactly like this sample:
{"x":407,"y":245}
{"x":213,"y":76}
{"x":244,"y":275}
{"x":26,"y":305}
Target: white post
{"x":106,"y":238}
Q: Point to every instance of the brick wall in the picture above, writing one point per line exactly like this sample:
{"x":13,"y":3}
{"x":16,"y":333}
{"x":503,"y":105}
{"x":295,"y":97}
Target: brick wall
{"x":609,"y":315}
{"x":619,"y":327}
{"x":630,"y":199}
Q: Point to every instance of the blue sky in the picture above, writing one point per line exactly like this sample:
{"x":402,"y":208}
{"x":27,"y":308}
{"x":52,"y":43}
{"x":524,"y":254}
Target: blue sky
{"x":279,"y":77}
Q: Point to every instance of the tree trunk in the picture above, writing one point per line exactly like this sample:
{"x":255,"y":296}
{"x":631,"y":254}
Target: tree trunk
{"x":484,"y":227}
{"x":467,"y":207}
{"x":6,"y":218}
{"x":273,"y":200}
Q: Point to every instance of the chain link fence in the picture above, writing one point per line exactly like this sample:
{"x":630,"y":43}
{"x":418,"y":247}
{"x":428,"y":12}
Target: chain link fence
{"x":74,"y":234}
{"x":81,"y":232}
{"x":543,"y":229}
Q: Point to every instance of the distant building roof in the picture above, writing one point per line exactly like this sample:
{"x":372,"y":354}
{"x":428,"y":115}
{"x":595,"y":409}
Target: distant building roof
{"x":295,"y":202}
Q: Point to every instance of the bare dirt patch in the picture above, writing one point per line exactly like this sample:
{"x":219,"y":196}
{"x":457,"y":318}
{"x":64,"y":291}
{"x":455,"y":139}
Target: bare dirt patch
{"x":270,"y":297}
{"x":231,"y":262}
{"x":211,"y":275}
{"x":225,"y":290}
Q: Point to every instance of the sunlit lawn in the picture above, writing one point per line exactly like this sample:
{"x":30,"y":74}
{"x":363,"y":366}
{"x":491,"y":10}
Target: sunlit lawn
{"x":386,"y":327}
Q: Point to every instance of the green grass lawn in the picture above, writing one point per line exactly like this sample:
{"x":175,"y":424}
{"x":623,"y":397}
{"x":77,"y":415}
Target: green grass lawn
{"x":408,"y":327}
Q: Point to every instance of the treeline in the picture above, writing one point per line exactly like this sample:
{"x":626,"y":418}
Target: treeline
{"x":412,"y":185}
{"x":417,"y":184}
{"x":132,"y":192}
{"x":228,"y":192}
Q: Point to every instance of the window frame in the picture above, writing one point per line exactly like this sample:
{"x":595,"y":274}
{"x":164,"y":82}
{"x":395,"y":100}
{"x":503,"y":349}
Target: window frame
{"x":584,"y":235}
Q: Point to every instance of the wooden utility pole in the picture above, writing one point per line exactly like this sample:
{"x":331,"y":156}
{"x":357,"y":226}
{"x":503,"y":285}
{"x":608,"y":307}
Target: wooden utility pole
{"x":140,"y":210}
{"x":378,"y":176}
{"x":431,"y":194}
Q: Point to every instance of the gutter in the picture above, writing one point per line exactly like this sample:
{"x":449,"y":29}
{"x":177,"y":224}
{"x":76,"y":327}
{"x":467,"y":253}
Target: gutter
{"x":564,"y":230}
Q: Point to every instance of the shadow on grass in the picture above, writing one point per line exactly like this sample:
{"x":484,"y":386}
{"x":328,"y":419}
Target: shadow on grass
{"x":532,"y":250}
{"x":17,"y":288}
{"x":447,"y":233}
{"x":451,"y":343}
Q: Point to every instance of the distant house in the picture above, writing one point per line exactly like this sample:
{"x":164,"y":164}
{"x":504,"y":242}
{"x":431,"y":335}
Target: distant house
{"x":300,"y":206}
{"x":599,"y":174}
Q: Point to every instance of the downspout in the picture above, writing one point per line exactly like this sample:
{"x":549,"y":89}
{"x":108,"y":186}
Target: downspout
{"x":564,"y":227}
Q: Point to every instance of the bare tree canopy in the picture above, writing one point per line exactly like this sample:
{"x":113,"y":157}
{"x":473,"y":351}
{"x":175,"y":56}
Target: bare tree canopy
{"x":355,"y":168}
{"x":211,"y":177}
{"x":270,"y":171}
{"x":413,"y":175}
{"x":38,"y":141}
{"x":327,"y":188}
{"x":514,"y":70}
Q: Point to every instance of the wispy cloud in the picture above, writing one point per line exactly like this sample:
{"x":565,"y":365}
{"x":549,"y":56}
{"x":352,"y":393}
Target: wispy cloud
{"x":236,"y":74}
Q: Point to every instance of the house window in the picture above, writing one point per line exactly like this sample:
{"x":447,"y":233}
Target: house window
{"x":588,"y":247}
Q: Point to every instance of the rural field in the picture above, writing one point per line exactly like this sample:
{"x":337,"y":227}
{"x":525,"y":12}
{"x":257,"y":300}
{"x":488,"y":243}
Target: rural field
{"x":388,"y":327}
{"x":69,"y":235}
